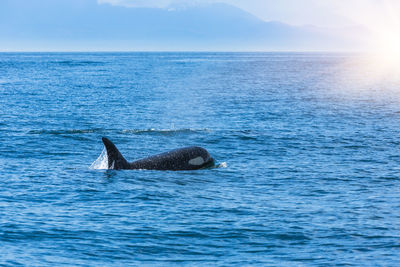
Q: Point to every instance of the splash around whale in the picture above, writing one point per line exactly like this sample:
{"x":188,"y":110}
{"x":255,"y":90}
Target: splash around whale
{"x":187,"y":158}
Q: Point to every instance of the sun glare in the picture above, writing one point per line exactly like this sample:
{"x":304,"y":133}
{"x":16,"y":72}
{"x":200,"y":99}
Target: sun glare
{"x":382,"y":63}
{"x":381,"y":18}
{"x":388,"y":47}
{"x":387,"y":33}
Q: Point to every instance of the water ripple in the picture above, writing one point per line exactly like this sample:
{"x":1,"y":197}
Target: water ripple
{"x":309,"y":164}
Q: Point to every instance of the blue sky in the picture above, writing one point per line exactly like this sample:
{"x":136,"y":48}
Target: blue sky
{"x":326,"y":13}
{"x":380,"y":17}
{"x":199,"y":25}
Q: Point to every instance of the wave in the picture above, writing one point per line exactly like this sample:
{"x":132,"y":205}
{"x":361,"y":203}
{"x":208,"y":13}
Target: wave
{"x":125,"y":131}
{"x":77,"y":63}
{"x":164,"y":131}
{"x":67,"y":131}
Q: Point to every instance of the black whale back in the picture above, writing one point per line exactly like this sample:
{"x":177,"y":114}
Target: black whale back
{"x":188,"y":158}
{"x":178,"y":159}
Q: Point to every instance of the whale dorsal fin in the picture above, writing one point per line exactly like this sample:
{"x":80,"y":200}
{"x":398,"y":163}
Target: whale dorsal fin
{"x":115,"y":160}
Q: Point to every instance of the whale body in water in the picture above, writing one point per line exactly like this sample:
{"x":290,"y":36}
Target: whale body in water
{"x":187,"y":158}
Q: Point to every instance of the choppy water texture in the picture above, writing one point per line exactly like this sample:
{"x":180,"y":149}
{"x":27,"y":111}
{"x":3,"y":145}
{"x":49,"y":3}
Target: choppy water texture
{"x":310,"y":141}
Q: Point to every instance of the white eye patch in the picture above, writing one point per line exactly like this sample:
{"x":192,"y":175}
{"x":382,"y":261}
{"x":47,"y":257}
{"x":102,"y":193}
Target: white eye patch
{"x":196,"y":161}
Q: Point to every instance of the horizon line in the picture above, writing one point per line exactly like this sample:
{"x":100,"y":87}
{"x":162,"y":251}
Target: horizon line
{"x":187,"y":51}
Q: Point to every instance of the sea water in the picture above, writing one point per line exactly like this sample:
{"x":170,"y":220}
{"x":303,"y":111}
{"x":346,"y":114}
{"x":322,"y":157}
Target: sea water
{"x":308,"y":143}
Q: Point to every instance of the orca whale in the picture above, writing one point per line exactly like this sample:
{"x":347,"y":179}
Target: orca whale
{"x":187,"y":158}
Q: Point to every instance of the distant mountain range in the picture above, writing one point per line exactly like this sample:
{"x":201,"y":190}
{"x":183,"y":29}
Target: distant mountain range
{"x":86,"y":25}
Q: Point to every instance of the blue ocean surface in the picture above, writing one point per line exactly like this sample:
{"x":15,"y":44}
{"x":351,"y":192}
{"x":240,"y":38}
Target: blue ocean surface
{"x":307,"y":147}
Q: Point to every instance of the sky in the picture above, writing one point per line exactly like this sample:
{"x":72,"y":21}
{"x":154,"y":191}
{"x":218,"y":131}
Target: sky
{"x":324,"y":13}
{"x":380,"y":18}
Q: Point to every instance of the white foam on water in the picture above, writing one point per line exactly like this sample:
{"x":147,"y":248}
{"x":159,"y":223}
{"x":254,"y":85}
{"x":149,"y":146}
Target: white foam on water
{"x":222,"y":165}
{"x":101,"y":163}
